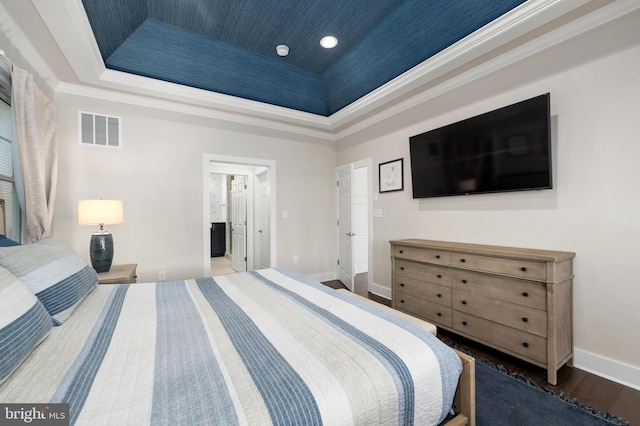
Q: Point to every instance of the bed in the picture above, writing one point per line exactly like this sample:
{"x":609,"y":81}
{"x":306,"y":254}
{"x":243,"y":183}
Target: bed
{"x":261,"y":347}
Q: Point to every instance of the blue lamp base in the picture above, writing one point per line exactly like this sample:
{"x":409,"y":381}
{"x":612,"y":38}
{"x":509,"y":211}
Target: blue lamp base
{"x":101,"y":251}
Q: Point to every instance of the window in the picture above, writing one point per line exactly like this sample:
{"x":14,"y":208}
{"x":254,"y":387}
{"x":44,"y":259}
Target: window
{"x":7,"y":186}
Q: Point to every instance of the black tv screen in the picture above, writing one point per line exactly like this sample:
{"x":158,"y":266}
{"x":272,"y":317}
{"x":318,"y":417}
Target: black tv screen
{"x":508,"y":149}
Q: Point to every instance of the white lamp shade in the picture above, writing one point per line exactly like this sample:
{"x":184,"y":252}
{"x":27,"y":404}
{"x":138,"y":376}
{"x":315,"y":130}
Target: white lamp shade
{"x":97,"y":212}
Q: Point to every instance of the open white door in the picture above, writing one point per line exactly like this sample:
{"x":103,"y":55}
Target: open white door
{"x":360,"y":222}
{"x":345,"y":219}
{"x":239,"y":223}
{"x":263,"y":255}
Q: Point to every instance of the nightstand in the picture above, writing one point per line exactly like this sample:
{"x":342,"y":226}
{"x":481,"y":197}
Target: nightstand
{"x":119,"y":274}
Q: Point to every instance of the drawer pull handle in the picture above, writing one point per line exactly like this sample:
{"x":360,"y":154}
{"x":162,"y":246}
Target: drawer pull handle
{"x":402,"y":301}
{"x":464,"y":323}
{"x":464,"y":281}
{"x":464,"y":302}
{"x":525,"y":294}
{"x":525,"y":319}
{"x":401,"y":251}
{"x":439,"y":276}
{"x":401,"y":284}
{"x":525,"y":344}
{"x":439,"y":295}
{"x":402,"y":268}
{"x":523,"y":269}
{"x":463,"y":260}
{"x":437,"y":256}
{"x":439,"y":314}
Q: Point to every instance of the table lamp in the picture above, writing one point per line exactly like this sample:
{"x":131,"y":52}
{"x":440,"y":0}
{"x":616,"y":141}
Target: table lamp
{"x":100,"y":212}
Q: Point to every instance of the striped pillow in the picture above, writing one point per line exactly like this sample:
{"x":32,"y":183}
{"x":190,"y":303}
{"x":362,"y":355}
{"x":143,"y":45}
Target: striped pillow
{"x":24,"y":322}
{"x":58,"y":276}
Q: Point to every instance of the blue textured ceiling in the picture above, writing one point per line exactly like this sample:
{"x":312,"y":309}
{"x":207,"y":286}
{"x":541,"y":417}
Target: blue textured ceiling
{"x":228,"y":46}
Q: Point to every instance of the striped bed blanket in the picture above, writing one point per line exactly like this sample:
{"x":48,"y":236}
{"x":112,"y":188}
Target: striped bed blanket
{"x":254,"y":348}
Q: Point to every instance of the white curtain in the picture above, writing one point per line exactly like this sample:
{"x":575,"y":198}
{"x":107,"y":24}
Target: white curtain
{"x":36,"y":165}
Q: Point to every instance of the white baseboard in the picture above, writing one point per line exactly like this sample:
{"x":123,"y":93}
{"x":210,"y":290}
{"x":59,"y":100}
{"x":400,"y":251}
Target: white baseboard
{"x":616,"y":371}
{"x":381,"y":291}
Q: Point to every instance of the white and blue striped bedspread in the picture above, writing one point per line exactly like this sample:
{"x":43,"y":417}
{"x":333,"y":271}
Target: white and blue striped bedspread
{"x":264,"y":347}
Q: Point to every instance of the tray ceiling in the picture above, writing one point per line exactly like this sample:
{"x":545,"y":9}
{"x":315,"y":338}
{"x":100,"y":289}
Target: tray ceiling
{"x":229,"y":47}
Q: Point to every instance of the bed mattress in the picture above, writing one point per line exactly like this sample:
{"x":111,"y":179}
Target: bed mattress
{"x":262,"y":347}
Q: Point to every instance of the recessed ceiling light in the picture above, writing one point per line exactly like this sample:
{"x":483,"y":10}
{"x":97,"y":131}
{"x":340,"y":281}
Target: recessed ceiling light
{"x":282,"y":50}
{"x":329,"y":42}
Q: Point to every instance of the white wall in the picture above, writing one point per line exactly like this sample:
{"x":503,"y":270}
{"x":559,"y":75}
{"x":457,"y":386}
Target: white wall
{"x":593,"y":210}
{"x":158,"y":174}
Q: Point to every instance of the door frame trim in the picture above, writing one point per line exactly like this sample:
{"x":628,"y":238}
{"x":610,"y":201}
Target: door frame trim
{"x":241,"y":166}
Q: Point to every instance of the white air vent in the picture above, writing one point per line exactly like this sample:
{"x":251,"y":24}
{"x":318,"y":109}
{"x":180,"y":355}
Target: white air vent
{"x":100,"y":130}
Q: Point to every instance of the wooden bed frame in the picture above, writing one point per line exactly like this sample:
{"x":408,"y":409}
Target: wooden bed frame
{"x":464,"y":402}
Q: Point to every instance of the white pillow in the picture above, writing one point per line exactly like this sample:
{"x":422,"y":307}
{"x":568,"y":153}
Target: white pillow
{"x":57,"y":275}
{"x":24,"y":322}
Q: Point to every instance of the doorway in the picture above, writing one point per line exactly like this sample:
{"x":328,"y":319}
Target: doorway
{"x":355,"y":225}
{"x":255,"y":185}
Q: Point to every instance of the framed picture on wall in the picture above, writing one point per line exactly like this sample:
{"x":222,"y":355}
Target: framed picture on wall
{"x":391,"y":175}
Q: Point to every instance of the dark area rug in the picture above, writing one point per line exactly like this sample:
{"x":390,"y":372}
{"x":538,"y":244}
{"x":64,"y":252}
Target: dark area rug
{"x":511,"y":399}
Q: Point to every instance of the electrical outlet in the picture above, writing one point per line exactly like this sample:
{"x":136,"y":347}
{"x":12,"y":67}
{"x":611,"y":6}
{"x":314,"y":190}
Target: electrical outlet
{"x":296,"y":259}
{"x":162,"y":276}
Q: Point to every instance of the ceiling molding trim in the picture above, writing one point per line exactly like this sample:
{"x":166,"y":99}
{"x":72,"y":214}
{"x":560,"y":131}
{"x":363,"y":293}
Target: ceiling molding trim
{"x":194,"y":110}
{"x":584,"y":24}
{"x":74,"y":38}
{"x":524,"y":18}
{"x":119,"y":80}
{"x":14,"y":34}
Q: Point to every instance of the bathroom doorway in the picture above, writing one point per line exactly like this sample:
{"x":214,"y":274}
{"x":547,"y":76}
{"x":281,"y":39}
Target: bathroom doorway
{"x":250,"y":237}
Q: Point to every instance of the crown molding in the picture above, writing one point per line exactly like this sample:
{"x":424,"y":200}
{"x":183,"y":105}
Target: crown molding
{"x":151,"y":87}
{"x":524,"y":18}
{"x":575,"y":28}
{"x":188,"y":109}
{"x":21,"y":43}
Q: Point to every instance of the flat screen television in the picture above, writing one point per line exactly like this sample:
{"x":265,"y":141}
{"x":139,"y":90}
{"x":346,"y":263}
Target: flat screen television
{"x":508,"y":149}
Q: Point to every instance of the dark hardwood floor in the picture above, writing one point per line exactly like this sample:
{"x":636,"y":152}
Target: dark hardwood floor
{"x":585,"y":387}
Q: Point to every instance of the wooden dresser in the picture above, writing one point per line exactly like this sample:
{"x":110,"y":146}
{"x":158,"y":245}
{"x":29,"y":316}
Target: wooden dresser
{"x":516,"y":300}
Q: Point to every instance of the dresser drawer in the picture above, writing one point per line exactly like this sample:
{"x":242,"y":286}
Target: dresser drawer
{"x":430,"y":311}
{"x":423,"y":272}
{"x":416,"y":288}
{"x":523,"y":318}
{"x":442,"y":257}
{"x":528,"y":269}
{"x":514,"y":340}
{"x":526,"y":293}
